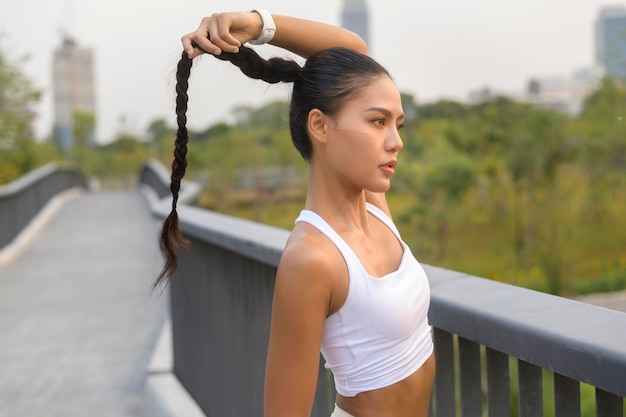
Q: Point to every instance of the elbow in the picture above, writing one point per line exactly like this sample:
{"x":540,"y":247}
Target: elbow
{"x":358,"y":44}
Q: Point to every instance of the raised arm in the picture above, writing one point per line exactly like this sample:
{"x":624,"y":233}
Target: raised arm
{"x":228,"y":31}
{"x":305,"y":37}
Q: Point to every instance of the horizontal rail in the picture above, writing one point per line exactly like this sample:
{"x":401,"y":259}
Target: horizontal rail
{"x":581,"y":341}
{"x":23,"y":198}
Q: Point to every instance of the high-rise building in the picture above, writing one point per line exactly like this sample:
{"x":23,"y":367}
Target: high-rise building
{"x":74,"y":89}
{"x":355,"y":17}
{"x":566,"y":94}
{"x":610,"y":41}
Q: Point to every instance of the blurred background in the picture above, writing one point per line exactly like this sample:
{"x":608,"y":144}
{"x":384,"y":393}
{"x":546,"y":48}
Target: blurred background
{"x":515,"y":154}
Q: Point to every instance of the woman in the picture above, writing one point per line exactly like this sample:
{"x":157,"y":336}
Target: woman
{"x":346,"y":283}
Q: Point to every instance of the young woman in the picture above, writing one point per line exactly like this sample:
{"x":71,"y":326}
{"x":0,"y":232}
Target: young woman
{"x":346,"y":283}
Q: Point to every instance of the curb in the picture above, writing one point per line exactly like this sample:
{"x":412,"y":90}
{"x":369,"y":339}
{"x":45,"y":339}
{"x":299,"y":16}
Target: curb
{"x":166,"y":395}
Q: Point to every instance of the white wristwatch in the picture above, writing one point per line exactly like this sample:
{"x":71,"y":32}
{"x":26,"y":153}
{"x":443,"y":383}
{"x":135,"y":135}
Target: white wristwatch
{"x":269,"y":27}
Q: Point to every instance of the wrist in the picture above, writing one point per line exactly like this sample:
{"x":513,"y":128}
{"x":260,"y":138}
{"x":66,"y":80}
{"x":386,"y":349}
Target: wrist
{"x":268,"y":27}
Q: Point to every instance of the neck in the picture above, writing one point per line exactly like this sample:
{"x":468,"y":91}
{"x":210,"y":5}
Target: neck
{"x":341,"y":206}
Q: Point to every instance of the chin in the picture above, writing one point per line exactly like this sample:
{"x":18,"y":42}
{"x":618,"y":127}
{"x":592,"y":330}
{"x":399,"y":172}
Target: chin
{"x":379,"y":188}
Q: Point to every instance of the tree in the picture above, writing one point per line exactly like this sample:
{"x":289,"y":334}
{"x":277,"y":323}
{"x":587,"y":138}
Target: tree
{"x":83,"y":124}
{"x":18,"y":153}
{"x":602,"y":147}
{"x":274,"y":115}
{"x":157,"y":130}
{"x":440,"y":178}
{"x":17,"y":98}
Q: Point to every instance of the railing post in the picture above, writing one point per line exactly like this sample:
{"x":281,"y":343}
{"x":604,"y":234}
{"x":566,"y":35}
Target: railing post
{"x":498,"y":385}
{"x":530,"y":390}
{"x":471,"y":390}
{"x":566,"y":397}
{"x":608,"y":405}
{"x":444,"y":381}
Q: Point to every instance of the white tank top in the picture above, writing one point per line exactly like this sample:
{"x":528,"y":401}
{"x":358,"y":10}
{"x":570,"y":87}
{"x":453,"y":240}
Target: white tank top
{"x":381,"y":333}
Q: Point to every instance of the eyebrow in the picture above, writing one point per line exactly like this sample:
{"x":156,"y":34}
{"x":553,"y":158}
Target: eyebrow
{"x":384,"y":111}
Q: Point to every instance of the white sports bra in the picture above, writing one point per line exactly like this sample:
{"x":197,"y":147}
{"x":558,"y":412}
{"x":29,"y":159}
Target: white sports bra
{"x":381,"y":333}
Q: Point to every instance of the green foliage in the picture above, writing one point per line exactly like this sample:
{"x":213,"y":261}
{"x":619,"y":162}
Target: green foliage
{"x":443,"y":109}
{"x":19,"y":153}
{"x":83,"y":124}
{"x":273,"y":115}
{"x":17,"y":98}
{"x":249,"y":161}
{"x":115,"y":164}
{"x":158,"y":130}
{"x":600,"y":133}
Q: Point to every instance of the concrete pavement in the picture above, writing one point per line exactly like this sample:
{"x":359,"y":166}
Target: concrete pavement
{"x":78,"y":320}
{"x":613,"y":300}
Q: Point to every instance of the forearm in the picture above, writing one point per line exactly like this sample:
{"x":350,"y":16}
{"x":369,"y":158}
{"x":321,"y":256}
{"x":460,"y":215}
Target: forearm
{"x":306,"y":37}
{"x":228,"y":31}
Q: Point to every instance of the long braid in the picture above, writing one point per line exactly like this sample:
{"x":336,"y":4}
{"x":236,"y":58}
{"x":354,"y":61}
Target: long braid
{"x":171,"y":238}
{"x":273,"y":70}
{"x":251,"y":64}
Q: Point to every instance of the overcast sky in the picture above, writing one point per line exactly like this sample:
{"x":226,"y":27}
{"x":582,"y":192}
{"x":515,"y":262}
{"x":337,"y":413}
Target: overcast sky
{"x":433,"y":49}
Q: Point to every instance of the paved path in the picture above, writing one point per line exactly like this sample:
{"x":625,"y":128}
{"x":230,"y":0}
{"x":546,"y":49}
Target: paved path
{"x":613,"y":300}
{"x":78,"y":320}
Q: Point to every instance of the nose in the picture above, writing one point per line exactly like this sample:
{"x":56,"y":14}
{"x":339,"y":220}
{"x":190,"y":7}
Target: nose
{"x":394,"y":141}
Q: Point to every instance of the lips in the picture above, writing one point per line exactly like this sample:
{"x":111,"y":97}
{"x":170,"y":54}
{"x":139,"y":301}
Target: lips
{"x":391,"y":164}
{"x":389,"y":167}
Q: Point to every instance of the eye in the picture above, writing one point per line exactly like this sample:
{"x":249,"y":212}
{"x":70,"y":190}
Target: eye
{"x":400,"y":127}
{"x":379,"y":121}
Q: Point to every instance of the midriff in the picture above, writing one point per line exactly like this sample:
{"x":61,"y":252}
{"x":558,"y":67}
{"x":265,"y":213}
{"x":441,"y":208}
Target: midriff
{"x":407,"y":398}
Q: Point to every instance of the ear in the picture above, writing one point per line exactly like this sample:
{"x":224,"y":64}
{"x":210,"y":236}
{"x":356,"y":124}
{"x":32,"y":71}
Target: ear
{"x":316,"y":125}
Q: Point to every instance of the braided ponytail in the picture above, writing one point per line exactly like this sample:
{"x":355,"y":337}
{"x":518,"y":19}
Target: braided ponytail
{"x":171,"y":238}
{"x":251,"y":64}
{"x":273,"y":70}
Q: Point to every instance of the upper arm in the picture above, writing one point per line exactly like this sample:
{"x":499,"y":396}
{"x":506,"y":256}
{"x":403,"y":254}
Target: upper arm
{"x":306,"y":37}
{"x":299,"y":310}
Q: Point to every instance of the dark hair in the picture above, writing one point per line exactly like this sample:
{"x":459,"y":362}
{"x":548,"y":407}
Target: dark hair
{"x":326,"y":81}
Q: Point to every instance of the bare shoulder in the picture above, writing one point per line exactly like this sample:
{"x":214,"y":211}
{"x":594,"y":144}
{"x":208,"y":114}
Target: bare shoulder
{"x":310,"y":263}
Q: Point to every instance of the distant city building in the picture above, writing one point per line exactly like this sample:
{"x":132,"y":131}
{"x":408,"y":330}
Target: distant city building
{"x":355,"y":17}
{"x":610,"y":41}
{"x":74,"y":88}
{"x":483,"y":95}
{"x":566,"y":94}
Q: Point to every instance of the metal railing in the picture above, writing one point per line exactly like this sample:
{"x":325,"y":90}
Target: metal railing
{"x":221,"y":301}
{"x":23,"y":198}
{"x":156,"y":178}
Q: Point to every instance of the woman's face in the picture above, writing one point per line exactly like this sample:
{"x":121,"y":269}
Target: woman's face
{"x":364,"y":140}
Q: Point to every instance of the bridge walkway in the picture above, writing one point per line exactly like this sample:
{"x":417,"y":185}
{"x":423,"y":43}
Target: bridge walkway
{"x":78,"y":319}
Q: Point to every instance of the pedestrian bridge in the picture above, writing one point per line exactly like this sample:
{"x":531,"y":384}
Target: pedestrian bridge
{"x":79,"y":322}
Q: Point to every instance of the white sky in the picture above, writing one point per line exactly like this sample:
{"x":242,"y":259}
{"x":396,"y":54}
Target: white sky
{"x":433,"y":49}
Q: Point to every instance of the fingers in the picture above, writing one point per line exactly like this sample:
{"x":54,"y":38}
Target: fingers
{"x":220,"y":32}
{"x":212,"y":36}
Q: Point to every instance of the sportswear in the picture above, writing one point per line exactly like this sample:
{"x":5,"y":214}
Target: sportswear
{"x":381,"y":333}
